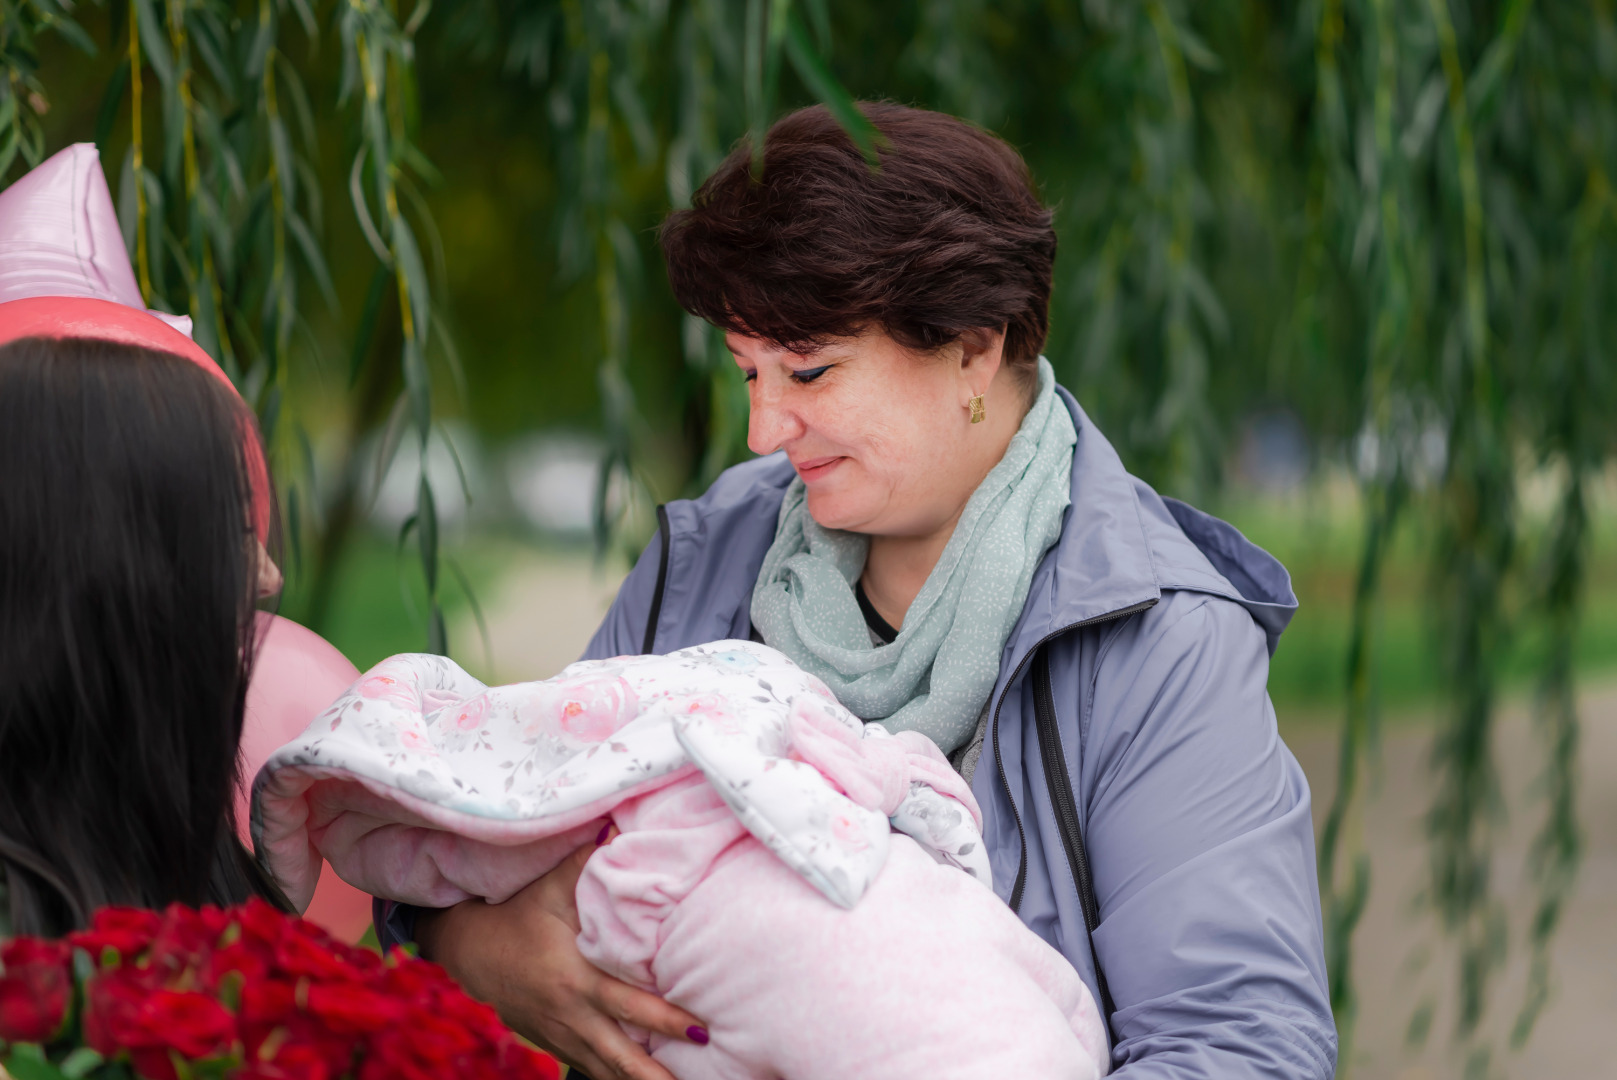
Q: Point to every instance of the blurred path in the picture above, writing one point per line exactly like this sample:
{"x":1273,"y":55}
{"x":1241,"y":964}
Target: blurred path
{"x":1570,"y":1039}
{"x":541,"y":617}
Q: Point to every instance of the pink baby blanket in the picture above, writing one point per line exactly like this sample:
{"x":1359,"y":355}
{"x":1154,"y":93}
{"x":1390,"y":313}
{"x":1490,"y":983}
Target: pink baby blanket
{"x":813,"y":887}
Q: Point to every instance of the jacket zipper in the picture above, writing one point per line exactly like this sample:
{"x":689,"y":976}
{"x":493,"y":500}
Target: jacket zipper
{"x":999,"y":758}
{"x":666,"y":533}
{"x":1066,"y":811}
{"x":1060,"y":785}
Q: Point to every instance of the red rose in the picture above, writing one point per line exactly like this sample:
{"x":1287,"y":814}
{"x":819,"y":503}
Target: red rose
{"x":112,"y":1003}
{"x":185,"y":938}
{"x":125,"y":1011}
{"x":272,"y":996}
{"x":36,"y":986}
{"x":454,"y":1005}
{"x":351,"y":1009}
{"x":302,"y":954}
{"x":427,"y":1048}
{"x":518,"y":1062}
{"x":194,"y":1024}
{"x":288,"y":1057}
{"x":248,"y":959}
{"x":260,"y":922}
{"x":362,"y":959}
{"x":128,"y":930}
{"x":268,"y":1001}
{"x":418,"y":980}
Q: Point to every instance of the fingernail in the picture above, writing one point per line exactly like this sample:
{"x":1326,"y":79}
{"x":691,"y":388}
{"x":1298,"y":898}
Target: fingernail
{"x":601,"y":837}
{"x":697,"y":1035}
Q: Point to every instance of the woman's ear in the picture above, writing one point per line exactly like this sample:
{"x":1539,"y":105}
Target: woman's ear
{"x":982,"y":353}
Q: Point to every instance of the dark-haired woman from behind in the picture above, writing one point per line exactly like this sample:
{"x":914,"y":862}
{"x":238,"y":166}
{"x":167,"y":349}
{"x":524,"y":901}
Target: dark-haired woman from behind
{"x":129,"y":570}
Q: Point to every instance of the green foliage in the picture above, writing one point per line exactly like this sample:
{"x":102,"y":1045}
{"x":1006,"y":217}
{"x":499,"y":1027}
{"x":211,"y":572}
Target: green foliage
{"x":22,"y":94}
{"x":1391,"y":218}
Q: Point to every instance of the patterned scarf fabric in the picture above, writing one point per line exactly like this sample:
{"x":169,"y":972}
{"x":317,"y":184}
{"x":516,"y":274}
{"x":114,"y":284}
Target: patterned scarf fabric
{"x":935,"y":677}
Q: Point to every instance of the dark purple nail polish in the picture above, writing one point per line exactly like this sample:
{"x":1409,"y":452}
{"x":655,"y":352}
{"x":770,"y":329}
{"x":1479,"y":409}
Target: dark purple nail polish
{"x":697,"y":1035}
{"x":606,"y":831}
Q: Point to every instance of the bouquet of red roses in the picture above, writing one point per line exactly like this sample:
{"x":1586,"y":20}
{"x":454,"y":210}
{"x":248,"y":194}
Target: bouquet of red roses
{"x":244,"y":993}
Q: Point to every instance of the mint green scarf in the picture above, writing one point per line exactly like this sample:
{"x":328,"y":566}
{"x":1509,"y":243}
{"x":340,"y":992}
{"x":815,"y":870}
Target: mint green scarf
{"x":936,"y":676}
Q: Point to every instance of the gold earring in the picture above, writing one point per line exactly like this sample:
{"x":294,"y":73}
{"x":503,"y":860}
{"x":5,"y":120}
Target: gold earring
{"x":978,"y":413}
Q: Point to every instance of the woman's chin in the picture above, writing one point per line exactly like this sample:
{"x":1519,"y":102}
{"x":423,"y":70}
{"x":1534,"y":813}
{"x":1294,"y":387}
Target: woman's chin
{"x":836,"y":510}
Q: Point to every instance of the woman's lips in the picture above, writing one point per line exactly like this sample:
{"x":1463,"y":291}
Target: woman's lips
{"x":816,"y":468}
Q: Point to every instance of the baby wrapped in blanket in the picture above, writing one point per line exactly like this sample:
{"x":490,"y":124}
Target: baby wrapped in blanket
{"x":813,"y":887}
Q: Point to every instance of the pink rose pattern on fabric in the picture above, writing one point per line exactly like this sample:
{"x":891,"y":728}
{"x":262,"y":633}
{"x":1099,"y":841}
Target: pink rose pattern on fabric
{"x":422,"y":725}
{"x":383,"y":685}
{"x":469,"y":717}
{"x":591,"y":709}
{"x":849,"y":833}
{"x":459,"y":724}
{"x":711,"y":707}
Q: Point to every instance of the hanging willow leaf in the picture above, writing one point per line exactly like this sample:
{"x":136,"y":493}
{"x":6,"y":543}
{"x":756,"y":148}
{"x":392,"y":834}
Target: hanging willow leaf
{"x":153,"y":43}
{"x":818,"y":78}
{"x":415,"y":275}
{"x":60,"y":22}
{"x":313,"y":259}
{"x":362,"y":213}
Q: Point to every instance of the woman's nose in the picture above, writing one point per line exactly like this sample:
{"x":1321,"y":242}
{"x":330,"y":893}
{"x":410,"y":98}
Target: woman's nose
{"x":770,"y":424}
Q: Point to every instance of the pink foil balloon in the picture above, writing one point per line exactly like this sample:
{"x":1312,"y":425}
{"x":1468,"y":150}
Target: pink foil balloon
{"x":296,"y":674}
{"x":59,"y":236}
{"x":64,"y":273}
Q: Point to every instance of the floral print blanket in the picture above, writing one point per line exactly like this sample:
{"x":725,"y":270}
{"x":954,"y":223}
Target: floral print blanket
{"x":423,"y":785}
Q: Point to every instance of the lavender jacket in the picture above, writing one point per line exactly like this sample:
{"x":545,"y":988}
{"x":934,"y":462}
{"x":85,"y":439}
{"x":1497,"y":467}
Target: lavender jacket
{"x":1139,"y":806}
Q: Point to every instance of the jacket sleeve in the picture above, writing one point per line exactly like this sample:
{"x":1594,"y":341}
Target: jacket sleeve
{"x":623,"y":631}
{"x":1202,"y":847}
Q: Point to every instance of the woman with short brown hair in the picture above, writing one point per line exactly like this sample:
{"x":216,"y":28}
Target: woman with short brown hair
{"x":938,"y":532}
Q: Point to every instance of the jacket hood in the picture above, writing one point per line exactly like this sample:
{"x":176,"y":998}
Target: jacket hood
{"x":1122,"y":545}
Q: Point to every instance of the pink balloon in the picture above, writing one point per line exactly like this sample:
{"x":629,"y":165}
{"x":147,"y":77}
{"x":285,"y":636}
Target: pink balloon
{"x":60,"y":246}
{"x":59,"y":236}
{"x":296,"y":675}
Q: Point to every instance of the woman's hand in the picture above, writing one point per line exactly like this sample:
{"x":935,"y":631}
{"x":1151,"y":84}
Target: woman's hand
{"x":522,"y":957}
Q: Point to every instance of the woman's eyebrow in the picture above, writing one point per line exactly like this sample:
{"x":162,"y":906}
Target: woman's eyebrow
{"x":828,"y":354}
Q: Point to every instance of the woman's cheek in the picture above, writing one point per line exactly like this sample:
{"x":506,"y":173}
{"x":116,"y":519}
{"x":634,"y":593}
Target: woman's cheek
{"x":857,"y":498}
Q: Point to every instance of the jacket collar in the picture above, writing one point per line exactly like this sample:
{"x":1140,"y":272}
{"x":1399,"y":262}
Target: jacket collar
{"x":1122,"y":544}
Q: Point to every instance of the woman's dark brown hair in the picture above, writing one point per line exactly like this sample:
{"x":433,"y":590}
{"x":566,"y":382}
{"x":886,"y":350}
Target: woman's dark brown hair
{"x":946,"y":234}
{"x":127,"y":575}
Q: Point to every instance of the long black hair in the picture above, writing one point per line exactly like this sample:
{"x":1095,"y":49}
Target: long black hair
{"x":127,"y":595}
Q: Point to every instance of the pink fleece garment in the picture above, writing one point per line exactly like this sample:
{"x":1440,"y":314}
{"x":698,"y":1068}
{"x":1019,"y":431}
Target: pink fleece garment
{"x":929,"y":976}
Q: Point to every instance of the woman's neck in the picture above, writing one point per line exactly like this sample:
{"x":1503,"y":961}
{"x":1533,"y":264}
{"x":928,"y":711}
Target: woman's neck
{"x":898,"y":566}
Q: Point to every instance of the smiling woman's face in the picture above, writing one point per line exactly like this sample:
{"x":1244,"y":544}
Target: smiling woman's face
{"x":881,"y":435}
